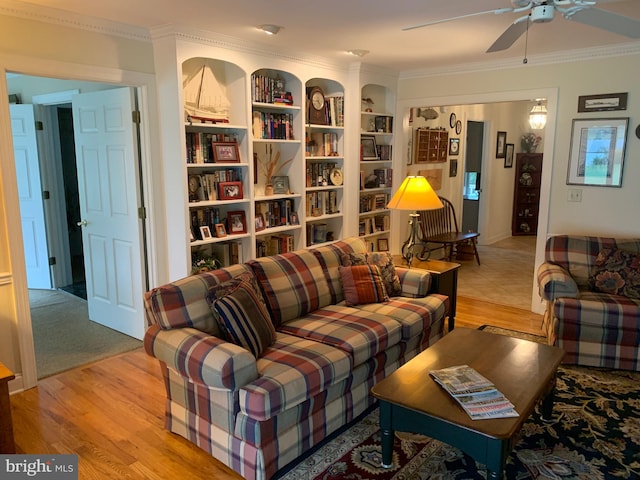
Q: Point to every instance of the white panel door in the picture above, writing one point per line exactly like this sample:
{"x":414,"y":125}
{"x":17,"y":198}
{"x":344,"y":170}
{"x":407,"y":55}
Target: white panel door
{"x":34,"y":234}
{"x":109,"y":192}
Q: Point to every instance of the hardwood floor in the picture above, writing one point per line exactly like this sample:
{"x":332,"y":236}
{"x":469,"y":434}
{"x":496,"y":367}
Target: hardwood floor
{"x":111,"y":413}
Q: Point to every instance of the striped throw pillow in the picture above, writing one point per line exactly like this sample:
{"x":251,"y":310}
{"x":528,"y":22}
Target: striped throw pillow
{"x":362,"y":284}
{"x":244,"y":317}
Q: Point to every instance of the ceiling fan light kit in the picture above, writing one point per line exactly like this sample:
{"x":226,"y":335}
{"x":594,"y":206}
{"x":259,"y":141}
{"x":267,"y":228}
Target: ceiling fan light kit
{"x":543,"y":11}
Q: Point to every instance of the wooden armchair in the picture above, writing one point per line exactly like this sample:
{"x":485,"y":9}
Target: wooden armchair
{"x":441,"y":226}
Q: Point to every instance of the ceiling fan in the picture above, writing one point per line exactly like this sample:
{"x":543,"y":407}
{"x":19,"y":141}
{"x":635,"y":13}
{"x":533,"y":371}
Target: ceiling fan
{"x":582,"y":11}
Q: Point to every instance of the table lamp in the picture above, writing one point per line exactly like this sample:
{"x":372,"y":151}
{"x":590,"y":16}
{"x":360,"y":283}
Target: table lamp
{"x":415,"y":194}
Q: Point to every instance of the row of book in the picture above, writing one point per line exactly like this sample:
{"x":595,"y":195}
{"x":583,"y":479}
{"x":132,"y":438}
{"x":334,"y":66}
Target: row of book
{"x":267,"y":89}
{"x":227,"y":253}
{"x":378,"y":178}
{"x":371,"y":225}
{"x":478,"y":396}
{"x":318,"y":173}
{"x":371,"y":202}
{"x":274,"y":245}
{"x":273,"y":126}
{"x":200,"y":145}
{"x":321,"y":144}
{"x":204,"y":217}
{"x":275,"y":213}
{"x":209,"y":184}
{"x":334,"y":110}
{"x":322,"y":203}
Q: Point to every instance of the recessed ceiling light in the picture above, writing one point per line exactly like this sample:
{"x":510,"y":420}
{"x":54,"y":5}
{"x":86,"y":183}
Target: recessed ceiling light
{"x":270,"y":29}
{"x":358,"y":52}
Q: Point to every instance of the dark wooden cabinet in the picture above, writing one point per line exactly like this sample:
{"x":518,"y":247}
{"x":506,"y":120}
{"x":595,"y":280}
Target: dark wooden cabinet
{"x":431,"y":145}
{"x":526,"y":194}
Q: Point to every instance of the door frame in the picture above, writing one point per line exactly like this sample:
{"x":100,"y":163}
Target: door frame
{"x":551,"y":94}
{"x":144,"y":84}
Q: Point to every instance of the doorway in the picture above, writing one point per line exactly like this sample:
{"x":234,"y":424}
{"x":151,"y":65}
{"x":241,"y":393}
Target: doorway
{"x":60,"y":179}
{"x":472,"y":188}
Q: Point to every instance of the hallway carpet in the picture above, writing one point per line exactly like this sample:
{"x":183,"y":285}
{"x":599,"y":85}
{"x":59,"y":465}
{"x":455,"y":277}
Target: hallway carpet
{"x":65,"y":338}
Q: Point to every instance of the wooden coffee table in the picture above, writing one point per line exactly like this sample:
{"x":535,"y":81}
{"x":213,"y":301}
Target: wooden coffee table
{"x":411,"y":401}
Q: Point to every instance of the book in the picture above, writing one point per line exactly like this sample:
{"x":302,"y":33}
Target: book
{"x":477,"y":395}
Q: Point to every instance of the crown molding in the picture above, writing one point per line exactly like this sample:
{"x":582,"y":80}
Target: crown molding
{"x":206,"y":37}
{"x":568,"y":56}
{"x":14,"y":8}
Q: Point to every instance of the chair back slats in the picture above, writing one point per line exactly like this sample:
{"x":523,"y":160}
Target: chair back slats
{"x":439,"y":221}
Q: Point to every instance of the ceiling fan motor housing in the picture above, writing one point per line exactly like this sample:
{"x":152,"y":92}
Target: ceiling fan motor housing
{"x":542,"y":13}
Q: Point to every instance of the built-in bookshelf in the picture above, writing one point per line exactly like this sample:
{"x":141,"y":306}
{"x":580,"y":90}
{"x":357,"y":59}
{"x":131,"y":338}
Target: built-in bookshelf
{"x":277,"y":139}
{"x":324,"y":162}
{"x":376,"y":172}
{"x":218,"y":175}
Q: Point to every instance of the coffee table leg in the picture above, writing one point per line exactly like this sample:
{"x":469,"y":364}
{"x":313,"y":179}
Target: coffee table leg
{"x":548,"y":401}
{"x":387,"y":434}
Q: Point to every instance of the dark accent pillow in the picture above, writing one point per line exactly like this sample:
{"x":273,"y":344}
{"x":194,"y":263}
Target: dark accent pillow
{"x":616,"y":272}
{"x":362,"y":284}
{"x":384,"y":262}
{"x":242,"y":314}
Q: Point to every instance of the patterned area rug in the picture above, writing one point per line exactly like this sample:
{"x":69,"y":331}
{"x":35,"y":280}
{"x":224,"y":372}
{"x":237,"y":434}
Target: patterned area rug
{"x":594,"y":435}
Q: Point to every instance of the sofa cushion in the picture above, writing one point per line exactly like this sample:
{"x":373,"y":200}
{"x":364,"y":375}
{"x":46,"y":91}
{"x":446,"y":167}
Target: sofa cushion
{"x":183,"y":303}
{"x":362,"y":284}
{"x":291,"y":371}
{"x":362,"y":334}
{"x":617,"y":272}
{"x":384,"y":262}
{"x":330,"y":258}
{"x":293,"y":284}
{"x":241,"y":313}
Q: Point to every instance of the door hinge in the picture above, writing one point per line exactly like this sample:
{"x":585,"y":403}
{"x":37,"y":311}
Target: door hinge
{"x":46,"y":195}
{"x":52,"y":260}
{"x":39,"y":125}
{"x":135,"y":116}
{"x":142,"y":213}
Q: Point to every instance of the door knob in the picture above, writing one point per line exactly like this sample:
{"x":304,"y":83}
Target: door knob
{"x":82,"y":223}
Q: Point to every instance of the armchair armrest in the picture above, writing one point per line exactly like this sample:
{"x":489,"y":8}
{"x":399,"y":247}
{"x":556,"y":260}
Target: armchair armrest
{"x":415,"y":282}
{"x":555,"y":282}
{"x":201,"y":357}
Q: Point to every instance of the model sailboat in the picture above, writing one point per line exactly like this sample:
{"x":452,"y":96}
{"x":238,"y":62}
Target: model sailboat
{"x":205,"y":98}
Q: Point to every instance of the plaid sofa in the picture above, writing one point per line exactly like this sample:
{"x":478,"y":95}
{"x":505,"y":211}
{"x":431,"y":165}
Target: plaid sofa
{"x":594,"y":328}
{"x":258,"y":415}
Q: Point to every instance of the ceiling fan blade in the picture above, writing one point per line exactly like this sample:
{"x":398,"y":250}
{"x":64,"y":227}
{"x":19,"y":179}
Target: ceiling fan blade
{"x":510,"y":35}
{"x":435,"y":22}
{"x":613,"y":22}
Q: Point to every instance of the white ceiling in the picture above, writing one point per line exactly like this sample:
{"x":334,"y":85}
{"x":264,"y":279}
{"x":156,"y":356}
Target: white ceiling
{"x":328,"y":28}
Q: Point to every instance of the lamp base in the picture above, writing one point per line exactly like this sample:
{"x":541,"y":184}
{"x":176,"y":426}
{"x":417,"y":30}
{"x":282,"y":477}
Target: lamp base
{"x":415,"y":242}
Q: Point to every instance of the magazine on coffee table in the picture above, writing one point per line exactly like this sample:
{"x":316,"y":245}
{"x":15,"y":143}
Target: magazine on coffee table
{"x":478,"y":396}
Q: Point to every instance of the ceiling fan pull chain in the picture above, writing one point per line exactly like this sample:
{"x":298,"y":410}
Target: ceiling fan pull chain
{"x":526,"y":42}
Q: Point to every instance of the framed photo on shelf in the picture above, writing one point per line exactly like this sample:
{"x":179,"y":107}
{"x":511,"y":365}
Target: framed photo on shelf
{"x":260,"y":225}
{"x":596,"y":152}
{"x":501,"y":144}
{"x":237,"y":222}
{"x":205,"y":232}
{"x":220,"y":230}
{"x":293,"y":218}
{"x":280,"y":184}
{"x":383,"y":245}
{"x":368,"y":150}
{"x":230,"y":191}
{"x":225,"y":152}
{"x":508,"y":158}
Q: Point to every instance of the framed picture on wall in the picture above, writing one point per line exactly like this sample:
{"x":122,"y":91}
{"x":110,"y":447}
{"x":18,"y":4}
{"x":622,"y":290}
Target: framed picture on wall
{"x":501,"y":144}
{"x":508,"y":158}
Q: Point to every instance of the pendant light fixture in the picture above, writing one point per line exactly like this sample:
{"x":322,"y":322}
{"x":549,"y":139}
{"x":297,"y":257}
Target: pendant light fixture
{"x":538,"y":116}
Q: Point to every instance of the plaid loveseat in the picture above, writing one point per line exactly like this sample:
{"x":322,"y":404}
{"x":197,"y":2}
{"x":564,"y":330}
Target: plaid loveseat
{"x":256,"y":415}
{"x":593,"y":327}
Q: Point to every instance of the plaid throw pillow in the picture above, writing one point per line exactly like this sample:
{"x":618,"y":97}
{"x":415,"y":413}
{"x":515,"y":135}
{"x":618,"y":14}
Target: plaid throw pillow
{"x":616,"y":272}
{"x":384,"y":262}
{"x":362,"y":284}
{"x":241,"y":313}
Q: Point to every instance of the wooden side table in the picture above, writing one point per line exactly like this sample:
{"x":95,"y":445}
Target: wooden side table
{"x":7,"y":444}
{"x":444,"y":277}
